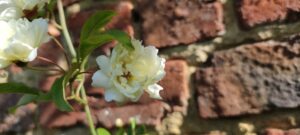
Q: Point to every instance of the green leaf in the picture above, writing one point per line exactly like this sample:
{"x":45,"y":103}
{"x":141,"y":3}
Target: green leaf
{"x":102,"y":131}
{"x":141,"y":130}
{"x":20,"y":88}
{"x":51,"y":5}
{"x":45,"y":97}
{"x":121,"y":37}
{"x":95,"y":23}
{"x":24,"y":100}
{"x":58,"y":95}
{"x":88,"y":46}
{"x":120,"y":131}
{"x":99,"y":39}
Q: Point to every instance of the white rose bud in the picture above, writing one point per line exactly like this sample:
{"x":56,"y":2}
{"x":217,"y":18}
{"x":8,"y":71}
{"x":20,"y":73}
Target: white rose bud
{"x":14,"y":9}
{"x":20,"y":40}
{"x":126,"y":74}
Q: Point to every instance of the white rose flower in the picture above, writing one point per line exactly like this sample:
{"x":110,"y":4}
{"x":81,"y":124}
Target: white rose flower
{"x":126,"y":74}
{"x":20,"y":40}
{"x":8,"y":10}
{"x":13,"y":9}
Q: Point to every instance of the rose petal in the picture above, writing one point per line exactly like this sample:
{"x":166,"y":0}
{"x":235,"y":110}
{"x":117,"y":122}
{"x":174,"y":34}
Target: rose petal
{"x":111,"y":94}
{"x":99,"y":79}
{"x":153,"y":91}
{"x":32,"y":55}
{"x":4,"y":63}
{"x":104,"y":63}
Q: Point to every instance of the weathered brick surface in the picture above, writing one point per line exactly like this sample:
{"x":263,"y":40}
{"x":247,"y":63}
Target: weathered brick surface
{"x":149,"y":114}
{"x":175,"y":83}
{"x":50,"y":117}
{"x":168,"y":22}
{"x":250,"y":79}
{"x":273,"y":131}
{"x":104,"y":114}
{"x":255,"y":12}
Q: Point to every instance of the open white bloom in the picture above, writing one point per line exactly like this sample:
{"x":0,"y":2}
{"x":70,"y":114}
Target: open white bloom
{"x":126,"y":74}
{"x":14,"y":9}
{"x":20,"y":39}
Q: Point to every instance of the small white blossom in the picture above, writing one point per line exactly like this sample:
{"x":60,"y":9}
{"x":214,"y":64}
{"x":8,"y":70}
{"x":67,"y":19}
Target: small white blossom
{"x":14,"y":9}
{"x":20,"y":39}
{"x":126,"y":74}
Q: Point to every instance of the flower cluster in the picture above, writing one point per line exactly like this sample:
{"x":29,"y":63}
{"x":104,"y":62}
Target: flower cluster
{"x":15,"y":9}
{"x":126,"y":74}
{"x":20,"y":37}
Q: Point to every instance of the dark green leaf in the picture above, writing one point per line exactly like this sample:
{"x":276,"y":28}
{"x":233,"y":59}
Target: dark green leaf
{"x":17,"y":88}
{"x":102,"y":131}
{"x":58,"y":95}
{"x":141,"y":130}
{"x":99,"y":39}
{"x":130,"y":131}
{"x":95,"y":23}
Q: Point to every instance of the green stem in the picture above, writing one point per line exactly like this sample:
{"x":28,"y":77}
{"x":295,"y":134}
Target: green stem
{"x":88,"y":112}
{"x":78,"y":88}
{"x":51,"y":62}
{"x":74,"y":55}
{"x":63,"y":24}
{"x":84,"y":98}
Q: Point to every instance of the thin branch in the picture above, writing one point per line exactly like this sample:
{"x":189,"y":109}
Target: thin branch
{"x":42,"y":69}
{"x":50,"y":61}
{"x":55,"y":23}
{"x":62,"y":48}
{"x":86,"y":72}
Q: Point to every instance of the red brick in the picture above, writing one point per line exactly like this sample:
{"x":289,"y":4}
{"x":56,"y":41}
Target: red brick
{"x":175,"y":86}
{"x":149,"y":114}
{"x":168,"y":22}
{"x":175,"y":83}
{"x":255,"y":12}
{"x":293,"y":132}
{"x":121,"y":21}
{"x":272,"y":131}
{"x":249,"y":79}
{"x":50,"y":117}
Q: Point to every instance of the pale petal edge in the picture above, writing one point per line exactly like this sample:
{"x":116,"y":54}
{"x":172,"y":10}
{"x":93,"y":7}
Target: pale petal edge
{"x":113,"y":95}
{"x":99,"y":79}
{"x":153,"y":91}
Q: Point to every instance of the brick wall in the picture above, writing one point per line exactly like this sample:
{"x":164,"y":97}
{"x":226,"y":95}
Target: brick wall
{"x":233,"y":67}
